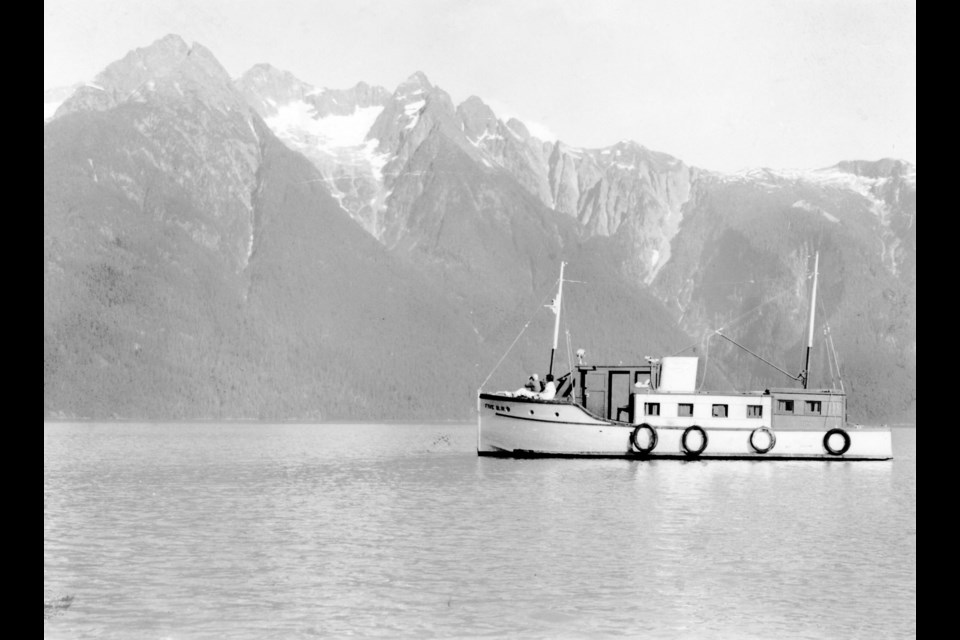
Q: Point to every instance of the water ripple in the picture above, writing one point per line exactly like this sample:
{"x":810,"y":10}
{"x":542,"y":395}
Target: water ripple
{"x":300,"y":531}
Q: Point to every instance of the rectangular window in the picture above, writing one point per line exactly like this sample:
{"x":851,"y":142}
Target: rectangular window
{"x":754,"y":411}
{"x":784,"y":406}
{"x":813,"y":407}
{"x":685,"y":410}
{"x":719,"y":411}
{"x":651,"y":408}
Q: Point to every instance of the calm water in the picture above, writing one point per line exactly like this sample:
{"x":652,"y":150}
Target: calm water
{"x":287,"y":531}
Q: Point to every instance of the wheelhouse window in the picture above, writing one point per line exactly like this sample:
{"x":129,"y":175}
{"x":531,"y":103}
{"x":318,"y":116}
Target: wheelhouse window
{"x":754,"y":411}
{"x":685,"y":410}
{"x":813,"y":407}
{"x":719,"y":411}
{"x":651,"y":408}
{"x":784,"y":406}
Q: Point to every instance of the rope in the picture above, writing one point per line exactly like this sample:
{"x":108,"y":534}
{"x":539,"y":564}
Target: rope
{"x":732,"y":322}
{"x":706,"y":360}
{"x":836,"y":359}
{"x":831,"y":348}
{"x":761,"y":358}
{"x":512,"y":344}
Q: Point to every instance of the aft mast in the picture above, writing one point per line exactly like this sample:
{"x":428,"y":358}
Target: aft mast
{"x":555,"y":306}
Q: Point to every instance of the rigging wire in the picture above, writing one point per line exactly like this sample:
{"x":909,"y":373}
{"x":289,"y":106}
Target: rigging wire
{"x":823,"y":347}
{"x":750,"y":281}
{"x":833,"y":363}
{"x":706,"y":359}
{"x":512,"y":344}
{"x":761,"y":358}
{"x":705,"y":340}
{"x":732,"y":322}
{"x":833,"y":378}
{"x":836,"y":358}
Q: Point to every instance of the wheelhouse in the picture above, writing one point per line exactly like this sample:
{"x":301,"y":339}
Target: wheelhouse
{"x":608,"y":391}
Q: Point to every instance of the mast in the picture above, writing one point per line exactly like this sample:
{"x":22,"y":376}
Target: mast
{"x":813,"y":306}
{"x":555,"y":306}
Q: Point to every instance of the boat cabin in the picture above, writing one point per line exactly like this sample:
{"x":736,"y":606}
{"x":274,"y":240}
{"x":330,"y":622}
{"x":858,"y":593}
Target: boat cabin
{"x":807,"y":408}
{"x":664,"y":390}
{"x":607,"y":391}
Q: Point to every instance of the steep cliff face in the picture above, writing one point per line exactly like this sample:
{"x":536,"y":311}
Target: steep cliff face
{"x":508,"y":145}
{"x":623,"y":189}
{"x":330,"y":128}
{"x":742,"y":262}
{"x":189,"y":147}
{"x":268,"y":89}
{"x":194,"y":267}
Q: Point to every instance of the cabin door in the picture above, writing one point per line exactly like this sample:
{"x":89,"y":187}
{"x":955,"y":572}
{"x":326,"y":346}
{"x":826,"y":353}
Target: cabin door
{"x":618,"y":400}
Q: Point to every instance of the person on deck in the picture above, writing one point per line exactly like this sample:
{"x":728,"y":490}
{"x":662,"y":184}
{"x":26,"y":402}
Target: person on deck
{"x":530,"y":389}
{"x":549,"y":389}
{"x":533,"y":383}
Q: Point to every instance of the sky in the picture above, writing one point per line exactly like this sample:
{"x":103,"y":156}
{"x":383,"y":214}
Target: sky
{"x":721,"y":85}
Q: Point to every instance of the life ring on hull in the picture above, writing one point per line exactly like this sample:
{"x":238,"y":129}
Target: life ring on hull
{"x":763,"y":431}
{"x":846,"y":442}
{"x":703,"y":441}
{"x":651,"y":439}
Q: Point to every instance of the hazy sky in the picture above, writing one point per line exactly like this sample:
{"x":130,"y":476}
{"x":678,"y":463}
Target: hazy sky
{"x":721,"y":85}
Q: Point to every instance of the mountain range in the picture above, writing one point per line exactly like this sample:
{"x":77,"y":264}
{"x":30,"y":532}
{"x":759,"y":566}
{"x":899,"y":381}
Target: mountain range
{"x":261,"y":248}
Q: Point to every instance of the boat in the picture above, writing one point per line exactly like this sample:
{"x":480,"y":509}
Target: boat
{"x":653,"y":410}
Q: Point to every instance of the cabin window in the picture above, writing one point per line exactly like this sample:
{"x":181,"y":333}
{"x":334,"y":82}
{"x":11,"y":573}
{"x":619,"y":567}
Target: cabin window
{"x":784,"y":406}
{"x":754,"y":411}
{"x":719,"y":411}
{"x":813,"y":407}
{"x":651,"y":408}
{"x":685,"y":410}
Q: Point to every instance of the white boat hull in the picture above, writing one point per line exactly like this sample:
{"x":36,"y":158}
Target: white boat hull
{"x":523,"y":428}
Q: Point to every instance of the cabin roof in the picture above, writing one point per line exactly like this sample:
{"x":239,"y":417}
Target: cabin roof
{"x":792,"y":390}
{"x":621,"y":367}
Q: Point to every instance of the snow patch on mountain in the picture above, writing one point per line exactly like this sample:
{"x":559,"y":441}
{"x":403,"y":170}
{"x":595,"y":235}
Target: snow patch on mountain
{"x":53,"y":98}
{"x":812,"y":208}
{"x":338,"y":146}
{"x":879,"y":184}
{"x":297,"y":120}
{"x":411,"y":111}
{"x":827,"y":177}
{"x":50,"y":108}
